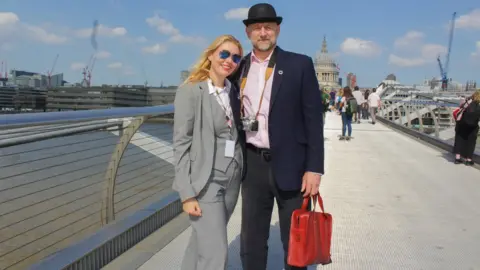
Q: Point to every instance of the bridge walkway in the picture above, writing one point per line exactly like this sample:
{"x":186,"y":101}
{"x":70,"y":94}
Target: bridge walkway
{"x":396,"y":202}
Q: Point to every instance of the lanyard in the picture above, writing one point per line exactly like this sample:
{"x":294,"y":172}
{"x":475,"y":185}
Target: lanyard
{"x":268,"y":73}
{"x":225,"y":108}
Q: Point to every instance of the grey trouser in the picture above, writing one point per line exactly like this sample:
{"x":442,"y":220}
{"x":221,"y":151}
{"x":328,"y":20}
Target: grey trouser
{"x":208,"y":246}
{"x":373,"y":113}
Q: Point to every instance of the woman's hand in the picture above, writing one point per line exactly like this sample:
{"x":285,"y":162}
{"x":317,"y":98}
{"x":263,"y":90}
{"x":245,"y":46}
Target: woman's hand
{"x":191,"y":207}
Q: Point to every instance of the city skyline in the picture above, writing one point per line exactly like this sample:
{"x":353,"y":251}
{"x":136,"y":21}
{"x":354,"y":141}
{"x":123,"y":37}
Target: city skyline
{"x":154,"y":42}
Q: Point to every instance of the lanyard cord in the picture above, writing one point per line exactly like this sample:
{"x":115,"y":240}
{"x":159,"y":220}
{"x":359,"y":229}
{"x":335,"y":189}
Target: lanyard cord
{"x":268,"y":73}
{"x":222,"y":104}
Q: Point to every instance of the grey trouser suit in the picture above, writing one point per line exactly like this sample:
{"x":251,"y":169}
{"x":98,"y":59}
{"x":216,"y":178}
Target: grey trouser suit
{"x":208,"y":246}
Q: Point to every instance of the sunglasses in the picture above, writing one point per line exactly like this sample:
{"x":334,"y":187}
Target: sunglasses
{"x":226,"y":54}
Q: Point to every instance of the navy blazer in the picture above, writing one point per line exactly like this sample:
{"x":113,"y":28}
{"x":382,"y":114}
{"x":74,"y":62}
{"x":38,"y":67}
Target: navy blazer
{"x":295,"y":121}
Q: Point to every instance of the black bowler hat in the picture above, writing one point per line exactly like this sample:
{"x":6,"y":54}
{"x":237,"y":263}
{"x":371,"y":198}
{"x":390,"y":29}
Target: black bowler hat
{"x":262,"y":13}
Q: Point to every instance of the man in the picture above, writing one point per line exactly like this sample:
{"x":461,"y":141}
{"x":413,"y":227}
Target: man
{"x":282,"y":119}
{"x":360,"y":99}
{"x":373,"y":104}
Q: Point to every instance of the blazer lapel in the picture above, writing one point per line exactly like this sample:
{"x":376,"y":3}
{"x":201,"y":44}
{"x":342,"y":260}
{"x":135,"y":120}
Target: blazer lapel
{"x":206,"y":104}
{"x":277,"y":77}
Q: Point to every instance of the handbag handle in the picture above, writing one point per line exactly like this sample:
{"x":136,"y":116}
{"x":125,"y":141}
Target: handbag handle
{"x":316,"y":198}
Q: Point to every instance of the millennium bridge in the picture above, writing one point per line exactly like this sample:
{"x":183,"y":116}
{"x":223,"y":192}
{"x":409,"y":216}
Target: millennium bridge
{"x":92,"y":190}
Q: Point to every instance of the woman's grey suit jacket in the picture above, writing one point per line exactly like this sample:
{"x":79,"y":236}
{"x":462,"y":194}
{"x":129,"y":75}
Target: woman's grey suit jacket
{"x":194,"y":137}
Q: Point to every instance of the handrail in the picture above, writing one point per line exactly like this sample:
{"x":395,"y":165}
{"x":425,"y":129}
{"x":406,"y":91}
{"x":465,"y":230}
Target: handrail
{"x":47,"y":118}
{"x":34,"y":187}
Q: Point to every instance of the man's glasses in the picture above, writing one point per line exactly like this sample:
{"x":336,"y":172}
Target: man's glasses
{"x":226,"y":54}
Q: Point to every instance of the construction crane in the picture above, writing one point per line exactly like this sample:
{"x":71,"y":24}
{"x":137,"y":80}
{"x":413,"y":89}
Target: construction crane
{"x":85,"y":72}
{"x":444,"y":68}
{"x":49,"y":73}
{"x":89,"y":82}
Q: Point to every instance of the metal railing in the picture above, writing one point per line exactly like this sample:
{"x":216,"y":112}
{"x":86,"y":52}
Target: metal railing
{"x":429,"y":120}
{"x":427,"y":116}
{"x":65,"y":175}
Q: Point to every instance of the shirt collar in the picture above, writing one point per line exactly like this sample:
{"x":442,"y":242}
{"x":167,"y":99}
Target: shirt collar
{"x":254,"y":58}
{"x":212,"y":88}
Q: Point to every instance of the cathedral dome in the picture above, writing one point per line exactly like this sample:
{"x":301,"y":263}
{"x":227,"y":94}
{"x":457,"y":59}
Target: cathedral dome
{"x":324,"y":61}
{"x":326,"y":68}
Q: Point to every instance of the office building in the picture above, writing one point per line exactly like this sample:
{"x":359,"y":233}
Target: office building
{"x":97,"y":97}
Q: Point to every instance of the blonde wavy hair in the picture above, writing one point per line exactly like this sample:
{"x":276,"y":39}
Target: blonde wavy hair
{"x":201,"y":69}
{"x":340,"y":92}
{"x":476,"y":96}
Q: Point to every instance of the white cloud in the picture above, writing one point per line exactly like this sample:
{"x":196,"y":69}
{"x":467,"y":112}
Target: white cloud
{"x":8,"y":18}
{"x":103,"y":31}
{"x":418,"y":52}
{"x":405,"y":62}
{"x":430,"y":52}
{"x":236,"y":14}
{"x":165,"y":27}
{"x":360,"y":47}
{"x":103,"y":55}
{"x":469,"y":21}
{"x":155,"y":49}
{"x":77,"y":66}
{"x":115,"y":65}
{"x":12,"y":29}
{"x":476,"y":53}
{"x":410,"y":40}
{"x":162,"y":25}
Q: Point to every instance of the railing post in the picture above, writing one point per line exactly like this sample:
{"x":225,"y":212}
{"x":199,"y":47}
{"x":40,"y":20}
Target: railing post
{"x":108,"y":210}
{"x":435,"y":121}
{"x":408,"y":116}
{"x":420,"y":119}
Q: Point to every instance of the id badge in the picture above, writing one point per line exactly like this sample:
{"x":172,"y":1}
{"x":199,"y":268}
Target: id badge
{"x":229,"y":148}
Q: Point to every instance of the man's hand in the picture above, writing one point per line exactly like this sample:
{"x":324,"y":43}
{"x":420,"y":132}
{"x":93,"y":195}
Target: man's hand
{"x":310,"y":184}
{"x":191,"y":207}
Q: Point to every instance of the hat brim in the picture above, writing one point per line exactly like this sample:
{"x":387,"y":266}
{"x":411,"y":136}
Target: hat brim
{"x":277,"y":20}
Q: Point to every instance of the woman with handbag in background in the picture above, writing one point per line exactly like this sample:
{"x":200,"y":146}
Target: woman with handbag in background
{"x":466,"y":129}
{"x":209,"y":152}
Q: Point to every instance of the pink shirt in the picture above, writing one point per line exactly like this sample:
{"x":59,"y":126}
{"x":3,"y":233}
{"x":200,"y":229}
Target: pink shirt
{"x":252,"y":92}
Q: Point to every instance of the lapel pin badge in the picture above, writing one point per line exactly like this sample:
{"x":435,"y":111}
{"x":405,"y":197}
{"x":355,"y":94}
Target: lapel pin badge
{"x":280,"y":72}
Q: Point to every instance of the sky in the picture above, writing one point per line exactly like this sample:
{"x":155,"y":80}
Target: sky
{"x":147,"y":40}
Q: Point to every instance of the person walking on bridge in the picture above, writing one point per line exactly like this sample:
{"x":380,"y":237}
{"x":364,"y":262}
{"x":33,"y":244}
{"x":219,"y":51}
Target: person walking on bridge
{"x":348,"y":106}
{"x":466,"y":129}
{"x":359,"y":98}
{"x":209,"y":152}
{"x":282,"y":118}
{"x":373,"y":104}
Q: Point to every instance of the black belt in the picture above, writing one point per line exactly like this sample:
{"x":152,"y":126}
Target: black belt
{"x":264,"y":152}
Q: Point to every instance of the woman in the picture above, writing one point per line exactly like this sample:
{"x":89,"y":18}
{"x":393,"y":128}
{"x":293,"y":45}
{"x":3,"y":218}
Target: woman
{"x":466,"y":130}
{"x":347,"y":116}
{"x":208,"y":152}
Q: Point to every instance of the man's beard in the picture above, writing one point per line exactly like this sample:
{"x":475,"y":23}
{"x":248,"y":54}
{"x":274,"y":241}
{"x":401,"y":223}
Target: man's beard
{"x":264,"y":47}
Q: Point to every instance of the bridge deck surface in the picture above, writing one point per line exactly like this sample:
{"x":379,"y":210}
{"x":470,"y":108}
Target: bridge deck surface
{"x":396,"y":204}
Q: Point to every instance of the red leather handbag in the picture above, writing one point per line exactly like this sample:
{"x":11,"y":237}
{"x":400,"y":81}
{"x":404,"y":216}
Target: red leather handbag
{"x":310,"y":235}
{"x":455,"y":113}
